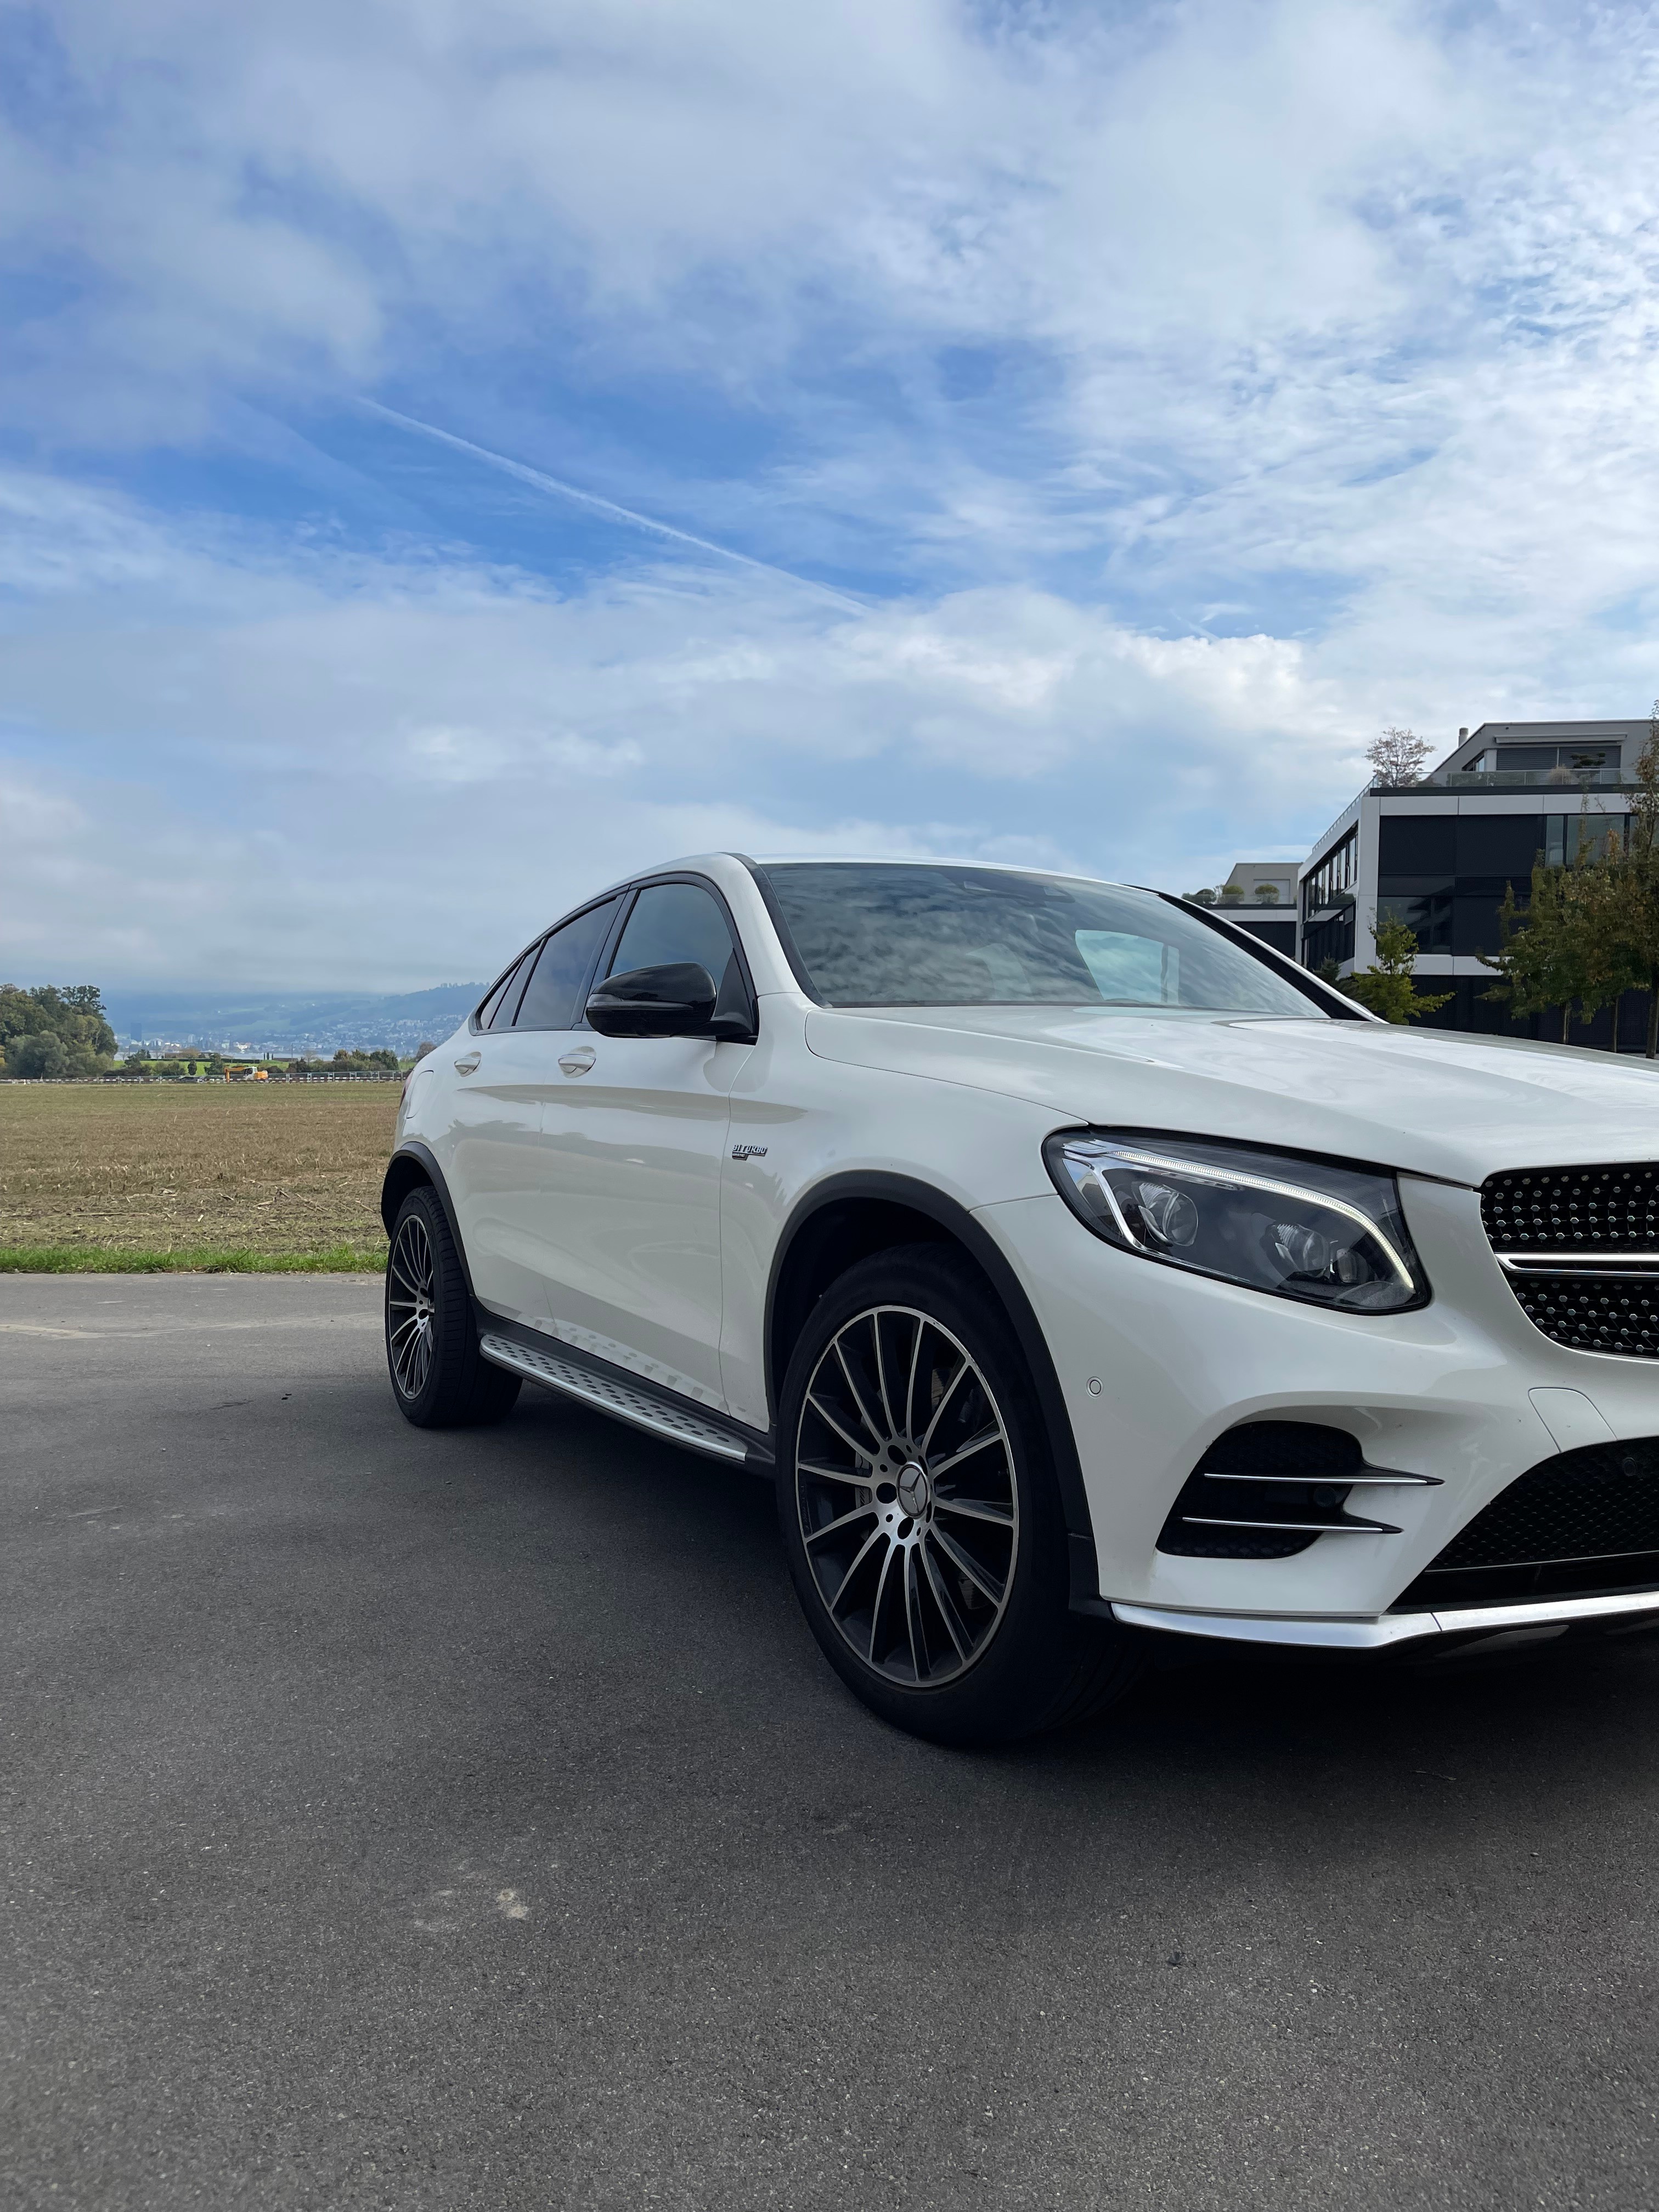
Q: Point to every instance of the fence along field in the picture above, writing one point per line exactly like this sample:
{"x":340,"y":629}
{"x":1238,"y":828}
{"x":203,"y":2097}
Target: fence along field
{"x":240,"y":1176}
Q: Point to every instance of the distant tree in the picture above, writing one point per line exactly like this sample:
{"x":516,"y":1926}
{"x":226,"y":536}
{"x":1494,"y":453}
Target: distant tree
{"x":1397,"y":757}
{"x":424,"y":1046}
{"x":1607,"y":961}
{"x":1387,"y":987}
{"x":1267,"y":894}
{"x":1543,"y":956}
{"x":351,"y":1060}
{"x":52,"y":1031}
{"x":1198,"y":898}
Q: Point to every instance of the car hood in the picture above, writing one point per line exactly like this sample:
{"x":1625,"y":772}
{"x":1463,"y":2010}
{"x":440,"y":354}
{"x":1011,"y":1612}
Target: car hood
{"x":1429,"y":1101}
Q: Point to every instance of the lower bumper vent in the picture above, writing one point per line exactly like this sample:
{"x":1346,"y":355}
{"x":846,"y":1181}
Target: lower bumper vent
{"x":1583,"y":1524}
{"x":1268,"y":1489}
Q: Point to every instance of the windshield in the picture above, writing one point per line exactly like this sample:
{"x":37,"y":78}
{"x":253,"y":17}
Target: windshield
{"x":875,"y":933}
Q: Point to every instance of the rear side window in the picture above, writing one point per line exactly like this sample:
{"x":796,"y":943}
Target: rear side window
{"x":496,"y":1012}
{"x":671,"y":922}
{"x":554,"y":997}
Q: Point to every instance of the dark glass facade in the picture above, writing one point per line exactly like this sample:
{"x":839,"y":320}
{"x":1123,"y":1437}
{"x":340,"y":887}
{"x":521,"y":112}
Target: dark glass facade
{"x":1445,"y":874}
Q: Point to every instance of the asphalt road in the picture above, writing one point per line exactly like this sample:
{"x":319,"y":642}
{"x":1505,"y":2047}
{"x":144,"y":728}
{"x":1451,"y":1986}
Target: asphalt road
{"x":404,"y":1820}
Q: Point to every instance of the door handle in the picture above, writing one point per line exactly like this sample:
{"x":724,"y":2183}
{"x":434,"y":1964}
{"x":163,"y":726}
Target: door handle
{"x":465,"y":1065}
{"x":578,"y":1061}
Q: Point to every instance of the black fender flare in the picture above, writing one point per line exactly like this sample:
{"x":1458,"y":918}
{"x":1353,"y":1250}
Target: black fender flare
{"x":993,"y":1264}
{"x":398,"y":1181}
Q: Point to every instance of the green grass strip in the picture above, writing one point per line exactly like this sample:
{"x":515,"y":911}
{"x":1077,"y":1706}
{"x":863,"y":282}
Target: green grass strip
{"x":87,"y":1259}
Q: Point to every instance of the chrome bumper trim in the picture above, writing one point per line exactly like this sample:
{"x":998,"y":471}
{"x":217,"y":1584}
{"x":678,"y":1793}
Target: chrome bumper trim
{"x":1612,"y":1266}
{"x":1376,"y":1634}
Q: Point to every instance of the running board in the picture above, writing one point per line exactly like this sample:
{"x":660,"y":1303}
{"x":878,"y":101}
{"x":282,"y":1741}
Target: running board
{"x":614,"y":1394}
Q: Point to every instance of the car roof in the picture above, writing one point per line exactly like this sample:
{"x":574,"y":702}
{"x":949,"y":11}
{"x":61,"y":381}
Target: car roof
{"x":930,"y":860}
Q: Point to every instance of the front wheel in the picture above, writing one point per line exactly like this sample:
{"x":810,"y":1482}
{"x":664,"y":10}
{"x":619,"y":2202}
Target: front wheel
{"x":921,"y":1517}
{"x":439,"y":1377}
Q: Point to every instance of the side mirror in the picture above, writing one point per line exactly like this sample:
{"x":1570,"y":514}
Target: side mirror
{"x":676,"y":1000}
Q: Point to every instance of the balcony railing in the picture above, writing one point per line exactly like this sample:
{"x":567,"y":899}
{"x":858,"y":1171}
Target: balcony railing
{"x":1519,"y":778}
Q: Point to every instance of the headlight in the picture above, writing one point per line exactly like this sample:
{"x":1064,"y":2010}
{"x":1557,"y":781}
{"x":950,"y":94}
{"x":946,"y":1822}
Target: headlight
{"x":1303,"y":1228}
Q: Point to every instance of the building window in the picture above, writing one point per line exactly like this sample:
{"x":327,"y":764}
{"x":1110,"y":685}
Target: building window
{"x":1332,"y":882}
{"x":1328,"y":940}
{"x":1570,"y":838}
{"x":1578,"y":759}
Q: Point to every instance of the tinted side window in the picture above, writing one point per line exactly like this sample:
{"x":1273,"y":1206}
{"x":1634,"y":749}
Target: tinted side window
{"x":553,"y":998}
{"x":486,"y":1012}
{"x":496,"y":1012}
{"x":674,"y":922}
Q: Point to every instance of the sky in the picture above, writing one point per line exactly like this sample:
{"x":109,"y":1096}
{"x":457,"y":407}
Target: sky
{"x":453,"y":453}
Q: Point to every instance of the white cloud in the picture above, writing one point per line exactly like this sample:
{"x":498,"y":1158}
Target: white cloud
{"x":703,"y":181}
{"x":335,"y":768}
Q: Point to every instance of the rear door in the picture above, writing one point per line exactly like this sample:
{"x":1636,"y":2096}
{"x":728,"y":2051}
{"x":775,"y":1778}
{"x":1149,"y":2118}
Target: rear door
{"x":629,"y":1171}
{"x":497,"y":1131}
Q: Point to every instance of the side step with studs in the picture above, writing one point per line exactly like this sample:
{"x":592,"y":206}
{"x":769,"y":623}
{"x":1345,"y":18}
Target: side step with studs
{"x":613,"y":1393}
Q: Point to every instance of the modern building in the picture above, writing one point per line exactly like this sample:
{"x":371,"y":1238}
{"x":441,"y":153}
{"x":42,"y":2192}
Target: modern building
{"x":1259,"y":895}
{"x":1440,"y":853}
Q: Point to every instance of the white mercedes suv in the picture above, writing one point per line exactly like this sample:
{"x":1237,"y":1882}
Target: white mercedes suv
{"x":1075,"y":1265}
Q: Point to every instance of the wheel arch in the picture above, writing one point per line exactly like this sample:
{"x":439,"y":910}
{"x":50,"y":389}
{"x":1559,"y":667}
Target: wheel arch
{"x":411,"y":1167}
{"x":848,"y":1217}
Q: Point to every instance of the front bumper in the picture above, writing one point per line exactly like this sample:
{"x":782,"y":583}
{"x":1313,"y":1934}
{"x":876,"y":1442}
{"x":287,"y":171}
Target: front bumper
{"x":1156,"y":1364}
{"x":1307,"y":1632}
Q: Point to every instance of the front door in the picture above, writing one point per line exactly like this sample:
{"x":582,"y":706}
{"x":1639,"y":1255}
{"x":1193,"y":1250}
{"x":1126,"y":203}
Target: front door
{"x":628,"y":1209}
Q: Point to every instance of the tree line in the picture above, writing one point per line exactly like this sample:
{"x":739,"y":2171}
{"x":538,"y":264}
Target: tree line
{"x":56,"y":1032}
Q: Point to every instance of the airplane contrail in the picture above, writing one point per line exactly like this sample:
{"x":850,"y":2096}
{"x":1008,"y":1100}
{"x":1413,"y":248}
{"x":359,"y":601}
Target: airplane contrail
{"x":609,"y":508}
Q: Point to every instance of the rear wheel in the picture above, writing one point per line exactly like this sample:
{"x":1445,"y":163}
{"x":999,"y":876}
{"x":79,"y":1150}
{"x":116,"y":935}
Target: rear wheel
{"x":439,"y":1376}
{"x":921,"y":1515}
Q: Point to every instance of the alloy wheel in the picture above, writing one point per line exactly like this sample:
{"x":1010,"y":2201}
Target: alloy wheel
{"x":411,"y":1306}
{"x":905,"y":1489}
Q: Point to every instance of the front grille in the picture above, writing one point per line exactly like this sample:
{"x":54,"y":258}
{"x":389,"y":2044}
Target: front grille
{"x":1268,"y":1489}
{"x":1584,"y":1523}
{"x":1558,"y":1210}
{"x":1607,"y":1309}
{"x":1579,"y":1247}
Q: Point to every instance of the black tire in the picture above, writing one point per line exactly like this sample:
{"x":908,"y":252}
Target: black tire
{"x":439,"y":1377}
{"x":973,"y":1643}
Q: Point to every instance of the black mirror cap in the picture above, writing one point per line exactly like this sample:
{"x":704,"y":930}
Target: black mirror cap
{"x":675,"y":999}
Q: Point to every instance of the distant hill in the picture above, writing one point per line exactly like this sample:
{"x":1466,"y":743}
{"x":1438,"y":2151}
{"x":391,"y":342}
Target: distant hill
{"x":322,"y":1023}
